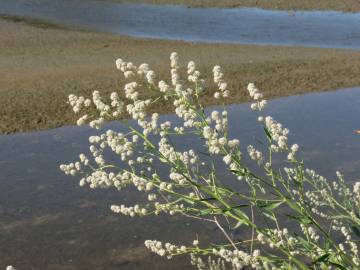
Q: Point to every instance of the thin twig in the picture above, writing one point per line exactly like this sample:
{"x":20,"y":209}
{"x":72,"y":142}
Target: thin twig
{"x":252,"y":229}
{"x":225,"y":233}
{"x":199,"y":218}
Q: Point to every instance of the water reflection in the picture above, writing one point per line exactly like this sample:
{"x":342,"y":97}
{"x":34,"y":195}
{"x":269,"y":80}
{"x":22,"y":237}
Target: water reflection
{"x":48,"y":222}
{"x":246,"y":25}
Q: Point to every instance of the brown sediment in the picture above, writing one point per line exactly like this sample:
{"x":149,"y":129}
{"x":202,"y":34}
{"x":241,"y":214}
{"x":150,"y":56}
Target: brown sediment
{"x":40,"y":67}
{"x":343,"y":5}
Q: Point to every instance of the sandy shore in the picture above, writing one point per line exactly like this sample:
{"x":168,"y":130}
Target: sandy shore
{"x":40,"y":67}
{"x":343,"y":5}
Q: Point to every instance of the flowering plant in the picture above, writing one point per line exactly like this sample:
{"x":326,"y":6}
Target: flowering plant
{"x":295,"y":218}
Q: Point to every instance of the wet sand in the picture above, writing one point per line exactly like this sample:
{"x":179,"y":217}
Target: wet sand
{"x":346,"y":5}
{"x":41,"y":66}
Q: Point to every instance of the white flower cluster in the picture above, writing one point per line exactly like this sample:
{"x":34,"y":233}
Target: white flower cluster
{"x":164,"y":87}
{"x":212,"y":140}
{"x":255,"y":94}
{"x":212,"y":264}
{"x":130,"y":71}
{"x":353,"y":246}
{"x":104,"y":110}
{"x":221,"y":121}
{"x":82,"y":120}
{"x":130,"y":91}
{"x":116,"y":104}
{"x":164,"y":249}
{"x":118,"y":142}
{"x":174,"y":64}
{"x":279,"y":135}
{"x":167,"y":150}
{"x":191,"y":68}
{"x":240,"y":259}
{"x":137,"y":110}
{"x":77,"y":103}
{"x":185,"y":112}
{"x":168,"y":208}
{"x":152,"y":125}
{"x":255,"y":154}
{"x":101,"y":179}
{"x":311,"y":232}
{"x":150,"y":76}
{"x":293,"y":150}
{"x":356,"y":190}
{"x":99,"y":104}
{"x":320,"y":197}
{"x":193,"y":74}
{"x":178,"y":178}
{"x":141,"y":183}
{"x":131,"y":211}
{"x":143,"y":69}
{"x":214,"y":137}
{"x":222,"y":85}
{"x":278,"y":238}
{"x":71,"y":168}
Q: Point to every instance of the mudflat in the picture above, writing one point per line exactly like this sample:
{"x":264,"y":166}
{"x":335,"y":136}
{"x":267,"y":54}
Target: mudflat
{"x":42,"y":64}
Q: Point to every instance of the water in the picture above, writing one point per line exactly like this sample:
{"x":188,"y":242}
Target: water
{"x":242,"y":25}
{"x":48,"y":222}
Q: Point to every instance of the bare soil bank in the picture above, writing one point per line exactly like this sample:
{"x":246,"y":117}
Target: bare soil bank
{"x":338,"y":5}
{"x":40,"y":67}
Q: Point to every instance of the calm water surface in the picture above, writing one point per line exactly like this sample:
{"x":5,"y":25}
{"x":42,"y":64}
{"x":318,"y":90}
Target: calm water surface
{"x":48,"y":222}
{"x":240,"y":25}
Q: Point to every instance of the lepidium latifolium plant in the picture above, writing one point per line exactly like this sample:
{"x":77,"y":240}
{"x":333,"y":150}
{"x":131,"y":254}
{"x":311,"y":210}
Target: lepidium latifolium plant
{"x":292,"y":217}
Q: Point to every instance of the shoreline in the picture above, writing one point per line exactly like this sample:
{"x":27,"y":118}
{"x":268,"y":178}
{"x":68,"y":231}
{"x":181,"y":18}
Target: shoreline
{"x":285,"y":5}
{"x":42,"y":66}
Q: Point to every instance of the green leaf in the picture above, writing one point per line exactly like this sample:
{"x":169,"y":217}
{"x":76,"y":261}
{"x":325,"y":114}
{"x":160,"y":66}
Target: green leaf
{"x":293,"y":206}
{"x":240,"y":206}
{"x":304,"y":242}
{"x":338,"y":266}
{"x":269,"y":216}
{"x":238,"y":225}
{"x":296,"y":182}
{"x":270,"y":205}
{"x":301,"y":219}
{"x":189,"y":201}
{"x":323,"y":258}
{"x":356,"y":230}
{"x":267,"y":133}
{"x":205,"y":212}
{"x":208,"y":199}
{"x":242,"y":215}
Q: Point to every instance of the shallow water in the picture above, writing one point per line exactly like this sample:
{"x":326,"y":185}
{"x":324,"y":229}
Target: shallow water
{"x":241,"y":25}
{"x":48,"y":222}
